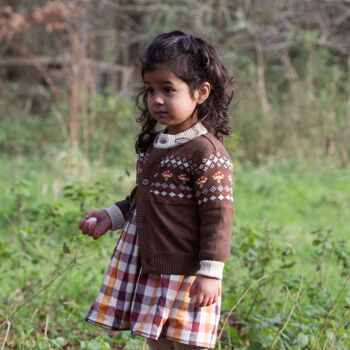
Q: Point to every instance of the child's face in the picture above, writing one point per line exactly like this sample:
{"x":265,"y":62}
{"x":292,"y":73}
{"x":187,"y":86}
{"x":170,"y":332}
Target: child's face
{"x":169,"y":100}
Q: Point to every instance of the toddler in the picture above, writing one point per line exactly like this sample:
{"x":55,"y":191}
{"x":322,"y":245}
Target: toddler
{"x":164,"y":279}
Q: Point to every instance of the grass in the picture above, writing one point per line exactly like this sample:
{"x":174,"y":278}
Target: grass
{"x":278,"y":206}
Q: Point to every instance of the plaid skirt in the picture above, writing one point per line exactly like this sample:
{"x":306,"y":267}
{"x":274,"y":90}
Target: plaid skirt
{"x":152,"y":305}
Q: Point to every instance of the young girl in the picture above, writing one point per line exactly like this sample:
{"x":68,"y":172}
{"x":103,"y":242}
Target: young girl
{"x":164,"y":280}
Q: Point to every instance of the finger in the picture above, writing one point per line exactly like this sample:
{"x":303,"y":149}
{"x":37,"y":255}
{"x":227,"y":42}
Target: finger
{"x":208,"y":301}
{"x":199,"y":299}
{"x":193,"y":289}
{"x":96,"y":236}
{"x":81,"y":223}
{"x":93,"y":213}
{"x":99,"y":231}
{"x":204,"y":301}
{"x":211,"y":300}
{"x":92,"y":226}
{"x":86,"y":228}
{"x":92,"y":229}
{"x":87,"y":215}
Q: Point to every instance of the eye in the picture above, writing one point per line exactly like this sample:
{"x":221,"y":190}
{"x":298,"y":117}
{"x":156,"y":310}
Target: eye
{"x":149,"y":90}
{"x":169,"y":90}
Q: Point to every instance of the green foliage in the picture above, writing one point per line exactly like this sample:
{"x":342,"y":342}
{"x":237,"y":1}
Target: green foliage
{"x":285,"y":284}
{"x":290,"y":308}
{"x":114,"y":120}
{"x":27,"y":135}
{"x":108,"y":130}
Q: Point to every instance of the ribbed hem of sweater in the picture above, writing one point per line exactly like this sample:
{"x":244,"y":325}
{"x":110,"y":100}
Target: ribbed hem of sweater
{"x":210,"y":268}
{"x":163,"y":140}
{"x":116,"y":216}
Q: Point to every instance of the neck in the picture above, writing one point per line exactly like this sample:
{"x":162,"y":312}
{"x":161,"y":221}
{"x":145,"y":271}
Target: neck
{"x":164,"y":140}
{"x":176,"y":129}
{"x":186,"y":124}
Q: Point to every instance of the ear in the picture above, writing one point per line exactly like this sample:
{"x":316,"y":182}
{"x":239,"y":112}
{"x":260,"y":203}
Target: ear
{"x":203,"y":92}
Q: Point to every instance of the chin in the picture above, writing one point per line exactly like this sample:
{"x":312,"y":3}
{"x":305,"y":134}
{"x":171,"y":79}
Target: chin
{"x":161,"y":122}
{"x":164,"y":121}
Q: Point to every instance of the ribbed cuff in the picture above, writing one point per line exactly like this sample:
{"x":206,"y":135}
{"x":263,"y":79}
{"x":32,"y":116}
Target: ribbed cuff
{"x":211,"y":269}
{"x":116,"y":217}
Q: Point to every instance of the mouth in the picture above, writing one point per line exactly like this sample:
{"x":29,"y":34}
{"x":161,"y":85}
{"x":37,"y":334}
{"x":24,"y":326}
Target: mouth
{"x":160,"y":113}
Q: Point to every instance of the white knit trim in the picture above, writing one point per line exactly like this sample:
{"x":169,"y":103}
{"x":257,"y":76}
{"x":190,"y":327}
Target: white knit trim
{"x":168,"y":141}
{"x":211,"y":268}
{"x":116,"y":217}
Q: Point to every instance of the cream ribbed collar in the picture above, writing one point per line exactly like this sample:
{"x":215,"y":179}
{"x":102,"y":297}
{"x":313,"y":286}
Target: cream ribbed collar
{"x":168,"y":141}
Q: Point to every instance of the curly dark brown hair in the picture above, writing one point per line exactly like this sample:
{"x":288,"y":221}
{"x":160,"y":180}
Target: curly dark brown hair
{"x":194,"y":61}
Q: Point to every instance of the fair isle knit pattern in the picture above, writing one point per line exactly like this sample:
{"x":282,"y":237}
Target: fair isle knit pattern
{"x":164,"y":186}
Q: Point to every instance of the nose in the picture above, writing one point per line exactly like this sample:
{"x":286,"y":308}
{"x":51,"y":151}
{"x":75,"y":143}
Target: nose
{"x":157,"y":99}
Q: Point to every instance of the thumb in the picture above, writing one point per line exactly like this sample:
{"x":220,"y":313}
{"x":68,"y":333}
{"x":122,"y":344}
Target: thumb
{"x":87,"y":215}
{"x":90,"y":214}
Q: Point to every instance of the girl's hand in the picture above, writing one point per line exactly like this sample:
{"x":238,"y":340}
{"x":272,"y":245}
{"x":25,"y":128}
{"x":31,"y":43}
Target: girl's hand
{"x":98,"y":228}
{"x":205,"y":291}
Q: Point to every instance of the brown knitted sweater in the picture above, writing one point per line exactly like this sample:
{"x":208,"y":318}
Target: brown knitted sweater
{"x":184,"y":201}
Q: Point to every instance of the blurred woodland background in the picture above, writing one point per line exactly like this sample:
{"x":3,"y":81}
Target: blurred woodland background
{"x":69,"y":70}
{"x":69,"y":73}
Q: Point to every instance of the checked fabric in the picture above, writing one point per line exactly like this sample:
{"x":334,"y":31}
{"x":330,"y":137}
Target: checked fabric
{"x":150,"y":305}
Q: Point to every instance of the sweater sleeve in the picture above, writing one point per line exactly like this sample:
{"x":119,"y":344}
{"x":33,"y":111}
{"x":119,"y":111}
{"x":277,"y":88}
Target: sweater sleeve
{"x":119,"y":211}
{"x":214,"y":197}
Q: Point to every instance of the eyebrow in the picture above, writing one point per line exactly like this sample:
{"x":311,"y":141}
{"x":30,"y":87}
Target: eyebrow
{"x":162,"y":82}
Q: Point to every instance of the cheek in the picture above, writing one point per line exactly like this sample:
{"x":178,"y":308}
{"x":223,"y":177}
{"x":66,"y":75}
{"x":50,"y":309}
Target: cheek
{"x":187,"y":106}
{"x":150,"y":104}
{"x":181,"y":106}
